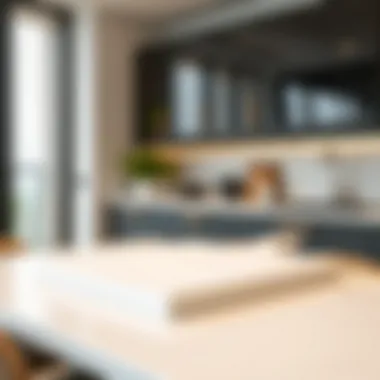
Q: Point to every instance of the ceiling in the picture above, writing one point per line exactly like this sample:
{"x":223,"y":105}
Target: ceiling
{"x":142,"y":9}
{"x":339,"y":31}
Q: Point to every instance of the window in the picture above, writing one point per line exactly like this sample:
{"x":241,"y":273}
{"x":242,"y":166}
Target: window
{"x":34,"y":127}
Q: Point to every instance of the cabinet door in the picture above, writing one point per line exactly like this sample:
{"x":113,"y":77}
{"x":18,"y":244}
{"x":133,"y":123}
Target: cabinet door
{"x":358,"y":240}
{"x":115,"y":223}
{"x":156,"y":224}
{"x":234,"y":227}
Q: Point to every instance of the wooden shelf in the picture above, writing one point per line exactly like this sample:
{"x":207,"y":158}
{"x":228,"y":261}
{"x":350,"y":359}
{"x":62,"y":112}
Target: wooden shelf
{"x":275,"y":149}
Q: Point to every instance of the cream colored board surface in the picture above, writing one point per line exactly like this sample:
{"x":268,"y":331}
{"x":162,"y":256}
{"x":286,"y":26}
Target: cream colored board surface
{"x":330,"y":333}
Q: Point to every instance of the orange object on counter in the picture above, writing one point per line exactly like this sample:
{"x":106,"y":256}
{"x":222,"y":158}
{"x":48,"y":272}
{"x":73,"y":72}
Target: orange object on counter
{"x":265,"y":183}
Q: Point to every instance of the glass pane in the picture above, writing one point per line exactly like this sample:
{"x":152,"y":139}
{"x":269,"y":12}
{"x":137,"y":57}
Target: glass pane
{"x":33,"y":117}
{"x":329,"y":108}
{"x":295,"y":98}
{"x":222,"y":100}
{"x":187,"y":100}
{"x":249,"y":109}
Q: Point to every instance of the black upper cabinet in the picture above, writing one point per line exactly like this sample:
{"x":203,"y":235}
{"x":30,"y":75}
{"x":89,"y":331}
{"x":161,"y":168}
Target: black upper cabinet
{"x":183,"y":98}
{"x":332,"y":99}
{"x":294,"y":75}
{"x":153,"y":97}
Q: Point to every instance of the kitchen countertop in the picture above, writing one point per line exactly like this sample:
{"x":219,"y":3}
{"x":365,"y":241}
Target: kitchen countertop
{"x":330,"y":333}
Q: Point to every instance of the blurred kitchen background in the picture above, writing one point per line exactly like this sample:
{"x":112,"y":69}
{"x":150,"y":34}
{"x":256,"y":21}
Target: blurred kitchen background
{"x":192,"y":119}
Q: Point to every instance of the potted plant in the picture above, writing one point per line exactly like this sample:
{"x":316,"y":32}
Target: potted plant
{"x":147,"y":171}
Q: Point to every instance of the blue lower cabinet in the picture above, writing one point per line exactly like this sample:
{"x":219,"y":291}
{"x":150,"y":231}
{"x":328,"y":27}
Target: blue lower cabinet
{"x":364,"y":240}
{"x":81,"y":375}
{"x":235,"y":227}
{"x":122,"y":224}
{"x":115,"y":225}
{"x":326,"y":238}
{"x":358,"y":240}
{"x":177,"y":225}
{"x":157,"y":224}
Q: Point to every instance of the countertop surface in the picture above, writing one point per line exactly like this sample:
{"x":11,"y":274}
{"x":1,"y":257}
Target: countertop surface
{"x":327,"y":333}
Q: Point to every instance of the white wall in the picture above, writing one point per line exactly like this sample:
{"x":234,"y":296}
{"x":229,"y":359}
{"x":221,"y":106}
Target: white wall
{"x":105,"y":53}
{"x":118,"y":43}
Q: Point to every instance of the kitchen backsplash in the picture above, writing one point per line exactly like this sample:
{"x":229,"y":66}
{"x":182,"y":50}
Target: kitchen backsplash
{"x":306,"y":178}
